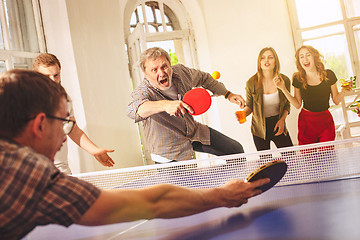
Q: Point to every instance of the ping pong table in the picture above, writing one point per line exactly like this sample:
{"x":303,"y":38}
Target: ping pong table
{"x":318,"y":198}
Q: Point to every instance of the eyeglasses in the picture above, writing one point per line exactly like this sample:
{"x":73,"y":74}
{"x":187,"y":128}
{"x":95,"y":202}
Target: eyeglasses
{"x":68,"y":124}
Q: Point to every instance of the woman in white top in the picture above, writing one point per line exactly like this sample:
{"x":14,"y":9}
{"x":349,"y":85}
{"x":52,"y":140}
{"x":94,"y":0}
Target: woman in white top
{"x":269,"y":106}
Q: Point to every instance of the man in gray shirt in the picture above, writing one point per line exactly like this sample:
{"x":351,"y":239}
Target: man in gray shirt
{"x":170,"y":131}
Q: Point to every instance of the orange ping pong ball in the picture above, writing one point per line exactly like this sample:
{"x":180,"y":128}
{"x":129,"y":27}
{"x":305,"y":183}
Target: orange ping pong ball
{"x":216,"y":75}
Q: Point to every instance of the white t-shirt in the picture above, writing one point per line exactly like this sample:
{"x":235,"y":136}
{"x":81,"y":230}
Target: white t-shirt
{"x":271,"y":104}
{"x":61,"y":159}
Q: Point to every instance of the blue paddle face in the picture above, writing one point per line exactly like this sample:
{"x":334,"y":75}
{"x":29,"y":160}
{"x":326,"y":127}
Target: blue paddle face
{"x":274,"y":170}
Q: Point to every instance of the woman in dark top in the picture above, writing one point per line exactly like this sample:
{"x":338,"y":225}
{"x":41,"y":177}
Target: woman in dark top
{"x":313,"y":86}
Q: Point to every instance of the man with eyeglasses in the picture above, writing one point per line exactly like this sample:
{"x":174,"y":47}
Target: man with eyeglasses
{"x":49,"y":65}
{"x":34,"y":118}
{"x":68,"y":123}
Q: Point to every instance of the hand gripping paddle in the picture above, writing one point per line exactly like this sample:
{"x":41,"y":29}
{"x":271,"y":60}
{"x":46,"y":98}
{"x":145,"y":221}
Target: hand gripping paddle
{"x":274,"y":170}
{"x":198,"y":99}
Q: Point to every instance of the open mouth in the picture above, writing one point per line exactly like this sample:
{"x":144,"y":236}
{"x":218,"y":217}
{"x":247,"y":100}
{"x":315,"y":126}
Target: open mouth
{"x":306,"y":64}
{"x":164,"y":81}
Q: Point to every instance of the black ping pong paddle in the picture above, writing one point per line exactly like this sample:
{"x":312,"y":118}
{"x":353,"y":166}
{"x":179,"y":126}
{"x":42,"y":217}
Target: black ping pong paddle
{"x":274,"y":170}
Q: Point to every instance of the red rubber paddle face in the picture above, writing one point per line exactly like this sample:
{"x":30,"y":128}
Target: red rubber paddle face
{"x":274,"y":170}
{"x":198,"y":99}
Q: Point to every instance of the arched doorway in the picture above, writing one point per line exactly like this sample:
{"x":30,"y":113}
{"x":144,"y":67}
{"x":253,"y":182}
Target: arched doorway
{"x":157,"y":23}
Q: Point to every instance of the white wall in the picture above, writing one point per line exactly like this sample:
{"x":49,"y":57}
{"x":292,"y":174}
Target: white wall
{"x":58,"y":41}
{"x":99,"y":49}
{"x":88,"y":37}
{"x":236,"y":31}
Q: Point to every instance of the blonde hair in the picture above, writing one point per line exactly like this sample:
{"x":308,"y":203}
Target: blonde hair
{"x":45,"y":59}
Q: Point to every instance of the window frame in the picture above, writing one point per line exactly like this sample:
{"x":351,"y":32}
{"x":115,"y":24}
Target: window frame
{"x":343,"y":124}
{"x":348,"y":24}
{"x":182,"y":29}
{"x":7,"y":55}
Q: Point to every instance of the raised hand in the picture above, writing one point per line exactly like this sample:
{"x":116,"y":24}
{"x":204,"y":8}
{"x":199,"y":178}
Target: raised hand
{"x":279,"y":82}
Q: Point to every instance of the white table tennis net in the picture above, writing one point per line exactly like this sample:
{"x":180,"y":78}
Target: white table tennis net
{"x":306,"y":164}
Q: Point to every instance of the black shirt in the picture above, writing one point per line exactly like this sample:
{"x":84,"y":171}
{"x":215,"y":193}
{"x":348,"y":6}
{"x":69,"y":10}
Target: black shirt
{"x":316,"y":98}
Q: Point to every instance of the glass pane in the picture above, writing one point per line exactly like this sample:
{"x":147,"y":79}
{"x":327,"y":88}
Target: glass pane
{"x":152,"y":29}
{"x":23,"y":63}
{"x":352,"y":8}
{"x":158,"y":16}
{"x":313,"y":13}
{"x":356,"y":29}
{"x":2,"y":67}
{"x":335,"y":51}
{"x":1,"y":39}
{"x":21,"y":24}
{"x":153,"y":16}
{"x":133,"y":20}
{"x":149,"y":14}
{"x":323,"y":31}
{"x":166,"y":45}
{"x":140,"y":12}
{"x":166,"y":19}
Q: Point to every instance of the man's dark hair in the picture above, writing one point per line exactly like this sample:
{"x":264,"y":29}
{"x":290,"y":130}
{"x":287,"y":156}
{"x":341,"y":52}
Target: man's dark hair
{"x":24,"y":94}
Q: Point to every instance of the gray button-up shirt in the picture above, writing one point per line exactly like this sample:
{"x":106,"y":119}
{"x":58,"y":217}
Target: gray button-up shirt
{"x":170,"y":136}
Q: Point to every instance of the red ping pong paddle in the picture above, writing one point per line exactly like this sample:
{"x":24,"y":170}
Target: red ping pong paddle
{"x":274,"y":170}
{"x":198,"y":99}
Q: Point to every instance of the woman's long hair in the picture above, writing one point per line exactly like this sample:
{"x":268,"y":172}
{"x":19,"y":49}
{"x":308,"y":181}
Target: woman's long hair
{"x":319,"y":64}
{"x":259,"y":73}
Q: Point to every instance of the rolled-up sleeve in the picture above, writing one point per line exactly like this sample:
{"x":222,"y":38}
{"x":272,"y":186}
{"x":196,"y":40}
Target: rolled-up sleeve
{"x":139,"y":96}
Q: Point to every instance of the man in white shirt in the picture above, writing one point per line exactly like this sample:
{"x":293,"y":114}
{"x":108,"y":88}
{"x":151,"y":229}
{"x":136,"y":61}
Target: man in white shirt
{"x":49,"y":65}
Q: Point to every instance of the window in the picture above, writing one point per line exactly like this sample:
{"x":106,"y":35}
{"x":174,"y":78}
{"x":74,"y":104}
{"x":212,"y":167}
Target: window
{"x":165,"y":25}
{"x":21,"y":37}
{"x":155,"y":20}
{"x":331,"y":26}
